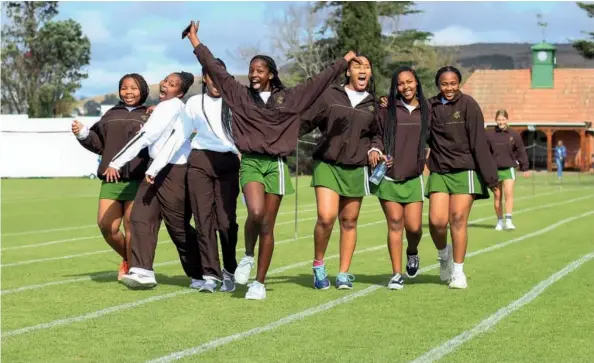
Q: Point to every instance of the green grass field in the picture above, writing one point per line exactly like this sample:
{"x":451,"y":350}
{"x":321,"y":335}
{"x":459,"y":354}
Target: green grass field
{"x":61,"y":301}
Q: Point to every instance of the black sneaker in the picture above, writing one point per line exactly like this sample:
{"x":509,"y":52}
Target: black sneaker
{"x":412,"y":265}
{"x":396,"y":282}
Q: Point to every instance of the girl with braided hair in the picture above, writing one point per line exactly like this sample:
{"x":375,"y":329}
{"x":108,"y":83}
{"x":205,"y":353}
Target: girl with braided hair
{"x":106,"y":137}
{"x":266,"y":124}
{"x":213,"y":181}
{"x":403,"y":131}
{"x":162,"y":196}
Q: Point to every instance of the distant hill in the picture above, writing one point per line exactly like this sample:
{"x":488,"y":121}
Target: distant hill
{"x":472,"y":56}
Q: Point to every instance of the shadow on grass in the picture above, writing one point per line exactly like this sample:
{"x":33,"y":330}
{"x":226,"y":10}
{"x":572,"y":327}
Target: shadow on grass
{"x":306,"y":280}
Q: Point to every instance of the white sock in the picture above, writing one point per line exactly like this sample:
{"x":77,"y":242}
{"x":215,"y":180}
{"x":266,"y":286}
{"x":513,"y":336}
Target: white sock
{"x":443,"y":254}
{"x":459,"y":268}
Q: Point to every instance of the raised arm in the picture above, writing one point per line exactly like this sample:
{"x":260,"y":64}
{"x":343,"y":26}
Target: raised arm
{"x":305,"y":94}
{"x":475,"y":127}
{"x":313,"y":116}
{"x":91,"y":138}
{"x":231,"y":90}
{"x":164,"y":114}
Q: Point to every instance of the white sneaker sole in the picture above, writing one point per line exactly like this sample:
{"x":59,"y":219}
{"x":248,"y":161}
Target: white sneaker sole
{"x":395,"y":286}
{"x":137,"y":285}
{"x":412,"y":276}
{"x":458,"y":286}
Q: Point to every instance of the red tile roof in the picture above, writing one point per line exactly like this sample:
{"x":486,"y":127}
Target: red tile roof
{"x":571,"y":99}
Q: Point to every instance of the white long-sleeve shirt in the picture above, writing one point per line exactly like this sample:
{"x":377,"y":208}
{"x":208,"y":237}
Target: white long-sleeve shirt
{"x":154,"y":134}
{"x":206,"y":137}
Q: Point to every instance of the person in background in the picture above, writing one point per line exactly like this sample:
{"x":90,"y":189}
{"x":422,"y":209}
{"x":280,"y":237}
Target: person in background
{"x":345,"y":115}
{"x":403,"y":131}
{"x":106,"y":137}
{"x":213,"y":181}
{"x":462,"y":168}
{"x":560,"y":155}
{"x":508,"y":151}
{"x":161,"y":196}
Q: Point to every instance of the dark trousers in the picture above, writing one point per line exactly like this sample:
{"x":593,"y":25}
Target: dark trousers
{"x":213,"y":185}
{"x":167,"y":200}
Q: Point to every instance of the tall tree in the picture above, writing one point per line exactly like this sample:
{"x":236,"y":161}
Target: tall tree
{"x":42,"y":60}
{"x":586,"y":47}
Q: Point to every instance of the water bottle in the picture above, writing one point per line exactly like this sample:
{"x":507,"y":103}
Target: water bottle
{"x":379,"y":172}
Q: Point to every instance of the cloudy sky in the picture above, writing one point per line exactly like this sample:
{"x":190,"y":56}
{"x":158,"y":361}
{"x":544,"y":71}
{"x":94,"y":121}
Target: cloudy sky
{"x":144,"y":37}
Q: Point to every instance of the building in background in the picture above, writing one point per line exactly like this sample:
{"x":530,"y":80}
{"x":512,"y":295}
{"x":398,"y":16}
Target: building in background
{"x":545,"y":104}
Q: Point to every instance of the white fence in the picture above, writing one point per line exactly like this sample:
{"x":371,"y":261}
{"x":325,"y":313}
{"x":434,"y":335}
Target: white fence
{"x":43,"y":147}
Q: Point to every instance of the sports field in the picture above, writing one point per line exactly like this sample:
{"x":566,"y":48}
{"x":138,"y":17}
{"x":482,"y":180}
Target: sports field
{"x":530,"y":296}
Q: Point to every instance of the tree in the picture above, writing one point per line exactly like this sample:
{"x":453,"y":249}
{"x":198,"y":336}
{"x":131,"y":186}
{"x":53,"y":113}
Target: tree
{"x":110,"y":99}
{"x":586,"y":47}
{"x":41,"y":59}
{"x":92,"y":108}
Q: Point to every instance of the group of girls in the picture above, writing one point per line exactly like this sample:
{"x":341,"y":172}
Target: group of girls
{"x":177,"y":161}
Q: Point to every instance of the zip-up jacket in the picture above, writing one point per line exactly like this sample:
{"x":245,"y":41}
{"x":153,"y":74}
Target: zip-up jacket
{"x":457,"y":138}
{"x":110,"y":134}
{"x":407,"y":163}
{"x":270,"y":130}
{"x":346,"y":130}
{"x":507,"y":149}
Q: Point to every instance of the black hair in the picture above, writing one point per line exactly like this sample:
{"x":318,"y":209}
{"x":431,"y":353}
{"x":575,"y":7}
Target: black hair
{"x":275,"y":82}
{"x":142,"y":86}
{"x":445,"y":69}
{"x":390,"y":132}
{"x":226,"y":118}
{"x":187,"y":80}
{"x":370,"y":84}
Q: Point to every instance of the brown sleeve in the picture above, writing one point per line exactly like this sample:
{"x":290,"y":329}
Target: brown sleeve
{"x":521,"y":155}
{"x":94,"y":142}
{"x":305,"y":94}
{"x":377,"y":139}
{"x":312,"y":117}
{"x":231,"y":90}
{"x":475,"y":126}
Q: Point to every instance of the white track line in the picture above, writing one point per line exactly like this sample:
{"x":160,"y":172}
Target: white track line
{"x":39,"y":231}
{"x":288,"y":319}
{"x":166,"y":263}
{"x":481,"y":328}
{"x":320,"y":308}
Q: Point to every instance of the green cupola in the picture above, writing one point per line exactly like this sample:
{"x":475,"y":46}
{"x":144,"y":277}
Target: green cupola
{"x":544,"y":61}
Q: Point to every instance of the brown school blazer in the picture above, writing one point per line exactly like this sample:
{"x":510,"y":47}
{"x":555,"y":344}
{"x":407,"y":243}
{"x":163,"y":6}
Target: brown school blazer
{"x":407,"y":163}
{"x":272,"y":130}
{"x":111,"y":133}
{"x":507,"y":147}
{"x":457,"y":138}
{"x":346,"y":130}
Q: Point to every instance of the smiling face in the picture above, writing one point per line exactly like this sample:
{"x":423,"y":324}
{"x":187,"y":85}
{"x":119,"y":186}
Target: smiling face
{"x":407,"y":86}
{"x":359,"y":74}
{"x":130,"y":92}
{"x":501,"y":122}
{"x":449,"y":84}
{"x":170,"y":87}
{"x":260,"y":75}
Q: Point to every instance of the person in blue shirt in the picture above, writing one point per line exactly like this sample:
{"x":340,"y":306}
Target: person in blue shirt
{"x":560,"y":155}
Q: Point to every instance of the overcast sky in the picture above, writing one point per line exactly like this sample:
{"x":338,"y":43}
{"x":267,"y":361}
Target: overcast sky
{"x":144,"y":37}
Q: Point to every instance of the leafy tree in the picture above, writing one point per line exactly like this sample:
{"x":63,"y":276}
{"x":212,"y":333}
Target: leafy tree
{"x":92,"y":108}
{"x":110,"y":99}
{"x":586,"y":47}
{"x":42,"y":60}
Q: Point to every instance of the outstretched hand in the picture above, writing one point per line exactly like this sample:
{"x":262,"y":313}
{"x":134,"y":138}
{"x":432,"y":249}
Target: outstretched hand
{"x":112,"y":175}
{"x":383,"y":101}
{"x":193,"y":33}
{"x":76,"y":127}
{"x":351,"y":56}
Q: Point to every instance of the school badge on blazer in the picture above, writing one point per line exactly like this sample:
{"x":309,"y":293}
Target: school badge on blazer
{"x":144,"y":117}
{"x":457,"y":115}
{"x":280,"y":100}
{"x":371,"y":108}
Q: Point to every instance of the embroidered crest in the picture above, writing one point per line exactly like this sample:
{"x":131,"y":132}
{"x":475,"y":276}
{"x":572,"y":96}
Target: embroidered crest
{"x":371,"y":108}
{"x":280,"y":100}
{"x":457,"y":115}
{"x":511,"y":139}
{"x":144,"y":117}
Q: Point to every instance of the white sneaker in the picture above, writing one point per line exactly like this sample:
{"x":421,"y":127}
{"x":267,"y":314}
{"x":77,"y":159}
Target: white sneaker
{"x":228,"y":284}
{"x":446,"y":265}
{"x":209,"y":285}
{"x":139,"y":281}
{"x":458,"y":281}
{"x":499,"y":226}
{"x":396,"y":282}
{"x":509,"y":226}
{"x":257,"y":291}
{"x":242,"y":273}
{"x":197,"y":284}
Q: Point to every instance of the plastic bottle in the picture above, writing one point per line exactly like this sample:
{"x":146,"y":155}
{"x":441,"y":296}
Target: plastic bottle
{"x":379,"y":172}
